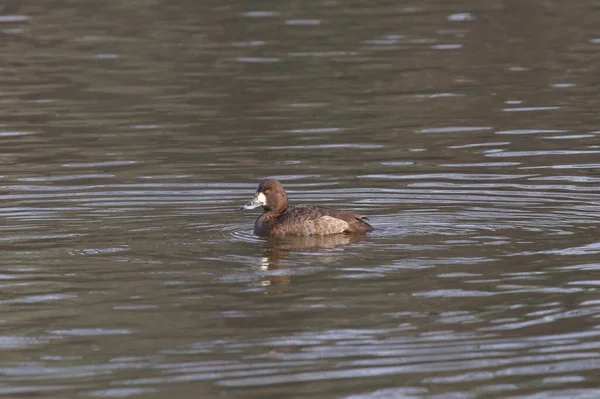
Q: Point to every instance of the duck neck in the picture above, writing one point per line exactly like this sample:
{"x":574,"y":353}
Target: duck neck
{"x":272,"y":213}
{"x":276,"y":210}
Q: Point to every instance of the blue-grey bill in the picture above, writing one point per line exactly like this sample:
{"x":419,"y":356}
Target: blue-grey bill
{"x":255,"y":203}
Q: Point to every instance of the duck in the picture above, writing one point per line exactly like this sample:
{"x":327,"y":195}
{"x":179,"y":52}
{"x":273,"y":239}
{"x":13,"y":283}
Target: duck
{"x":304,"y":220}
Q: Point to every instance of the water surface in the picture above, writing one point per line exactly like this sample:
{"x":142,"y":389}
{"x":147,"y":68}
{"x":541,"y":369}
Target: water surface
{"x":131,"y":132}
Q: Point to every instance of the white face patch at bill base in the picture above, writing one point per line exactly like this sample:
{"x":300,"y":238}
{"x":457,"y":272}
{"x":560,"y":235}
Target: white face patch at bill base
{"x":260,"y":197}
{"x":258,"y":200}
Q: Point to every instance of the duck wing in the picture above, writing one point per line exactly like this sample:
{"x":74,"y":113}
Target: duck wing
{"x":321,"y":220}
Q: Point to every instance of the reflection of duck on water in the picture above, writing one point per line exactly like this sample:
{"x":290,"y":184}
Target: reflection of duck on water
{"x":277,"y":250}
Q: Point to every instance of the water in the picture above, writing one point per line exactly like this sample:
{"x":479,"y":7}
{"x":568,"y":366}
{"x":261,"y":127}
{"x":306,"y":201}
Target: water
{"x":131,"y":132}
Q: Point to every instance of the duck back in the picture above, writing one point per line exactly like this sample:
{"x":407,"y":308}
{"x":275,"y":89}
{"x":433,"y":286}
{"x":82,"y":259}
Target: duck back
{"x":310,"y":220}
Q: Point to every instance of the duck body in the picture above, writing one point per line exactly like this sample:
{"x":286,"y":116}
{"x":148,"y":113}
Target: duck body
{"x":304,"y":220}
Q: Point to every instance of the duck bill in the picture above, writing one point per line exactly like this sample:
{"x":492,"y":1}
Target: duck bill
{"x":258,"y":200}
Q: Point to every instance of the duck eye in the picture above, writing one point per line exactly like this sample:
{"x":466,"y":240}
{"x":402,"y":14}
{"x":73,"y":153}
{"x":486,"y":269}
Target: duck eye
{"x":267,"y":191}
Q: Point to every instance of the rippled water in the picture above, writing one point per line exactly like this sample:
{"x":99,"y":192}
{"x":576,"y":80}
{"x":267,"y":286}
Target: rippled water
{"x":131,"y":132}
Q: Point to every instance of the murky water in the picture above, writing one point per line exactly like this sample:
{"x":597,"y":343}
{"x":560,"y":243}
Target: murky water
{"x":132,"y":131}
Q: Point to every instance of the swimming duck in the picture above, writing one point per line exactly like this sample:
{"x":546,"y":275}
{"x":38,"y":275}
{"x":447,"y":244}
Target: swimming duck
{"x":279,"y":220}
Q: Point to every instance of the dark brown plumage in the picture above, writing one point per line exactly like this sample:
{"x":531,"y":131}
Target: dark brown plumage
{"x":304,"y":220}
